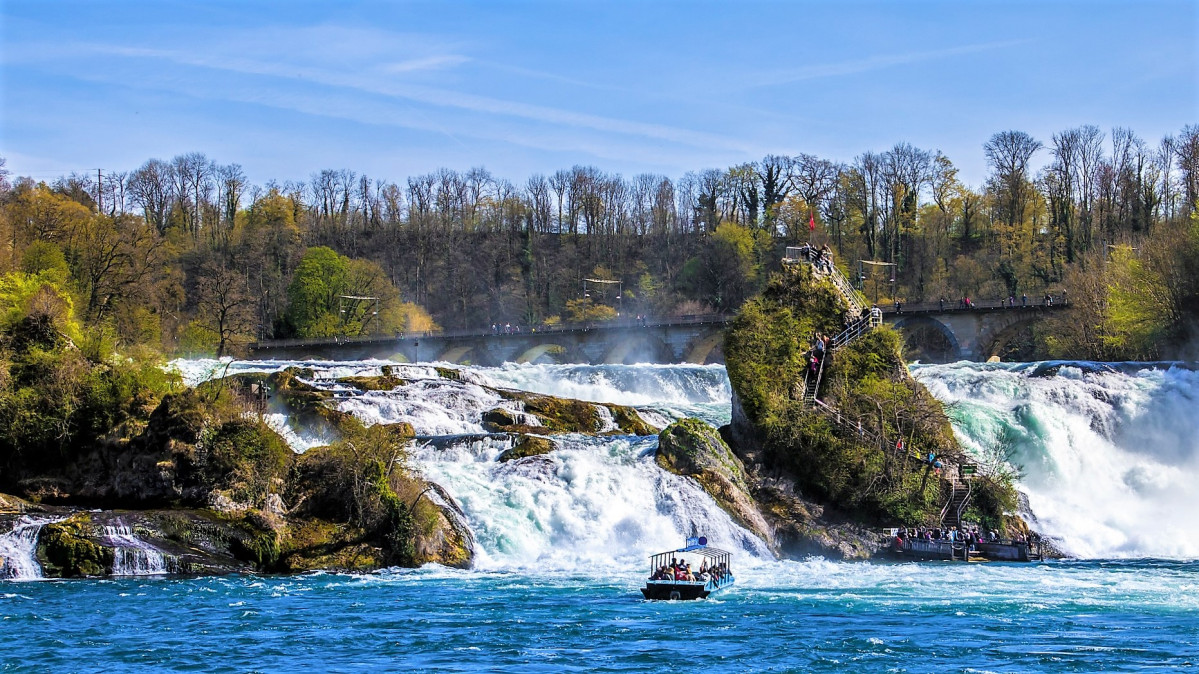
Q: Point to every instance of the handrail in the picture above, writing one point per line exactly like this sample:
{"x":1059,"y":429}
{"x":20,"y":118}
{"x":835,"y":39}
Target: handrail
{"x":811,"y":256}
{"x":965,"y":500}
{"x":953,"y":492}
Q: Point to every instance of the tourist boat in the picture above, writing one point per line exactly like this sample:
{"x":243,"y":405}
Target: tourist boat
{"x":699,"y":556}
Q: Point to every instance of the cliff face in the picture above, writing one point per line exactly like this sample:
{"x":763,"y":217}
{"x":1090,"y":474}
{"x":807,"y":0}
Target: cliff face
{"x":768,"y":505}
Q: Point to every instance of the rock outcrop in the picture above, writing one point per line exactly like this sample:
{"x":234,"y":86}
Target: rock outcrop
{"x":551,"y":415}
{"x":694,"y":449}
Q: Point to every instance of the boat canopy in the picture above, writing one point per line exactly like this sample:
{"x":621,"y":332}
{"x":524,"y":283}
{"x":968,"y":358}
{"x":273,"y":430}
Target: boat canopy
{"x":695,"y":546}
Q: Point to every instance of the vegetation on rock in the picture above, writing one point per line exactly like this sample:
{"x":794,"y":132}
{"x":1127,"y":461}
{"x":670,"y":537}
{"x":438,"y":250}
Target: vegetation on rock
{"x":566,"y":415}
{"x":866,"y":381}
{"x":692,"y":448}
{"x":66,"y":549}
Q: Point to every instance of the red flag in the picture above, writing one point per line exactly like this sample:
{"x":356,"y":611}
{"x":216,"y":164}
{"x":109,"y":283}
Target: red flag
{"x":811,"y":222}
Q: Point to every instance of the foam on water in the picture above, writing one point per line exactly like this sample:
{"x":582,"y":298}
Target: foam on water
{"x":1109,"y":456}
{"x":599,"y":501}
{"x":17,"y":548}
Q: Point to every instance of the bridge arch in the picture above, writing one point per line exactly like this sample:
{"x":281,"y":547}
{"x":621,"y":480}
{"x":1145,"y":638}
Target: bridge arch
{"x":456,"y":354}
{"x":542,"y":353}
{"x":996,"y":336}
{"x":943,"y":347}
{"x":701,"y":349}
{"x":639,"y":348}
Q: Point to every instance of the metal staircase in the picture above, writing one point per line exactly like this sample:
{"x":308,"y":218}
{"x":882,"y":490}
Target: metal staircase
{"x":812,"y":381}
{"x":959,"y":498}
{"x":810,"y":256}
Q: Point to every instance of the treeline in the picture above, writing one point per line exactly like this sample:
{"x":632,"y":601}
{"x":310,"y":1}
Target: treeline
{"x":189,"y":254}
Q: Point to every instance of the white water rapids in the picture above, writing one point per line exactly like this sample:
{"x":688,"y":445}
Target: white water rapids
{"x":17,"y":548}
{"x":131,"y":555}
{"x":1109,"y":458}
{"x":1109,"y":454}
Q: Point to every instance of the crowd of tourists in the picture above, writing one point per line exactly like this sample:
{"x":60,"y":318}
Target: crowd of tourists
{"x":680,"y":570}
{"x":821,"y":347}
{"x":972,"y":536}
{"x":821,"y":257}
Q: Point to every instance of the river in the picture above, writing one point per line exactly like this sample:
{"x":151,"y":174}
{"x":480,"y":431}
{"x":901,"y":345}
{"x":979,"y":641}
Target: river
{"x":1108,"y":455}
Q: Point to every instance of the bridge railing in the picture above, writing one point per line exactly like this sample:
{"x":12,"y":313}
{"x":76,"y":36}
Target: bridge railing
{"x":502,"y":331}
{"x":981,"y":305}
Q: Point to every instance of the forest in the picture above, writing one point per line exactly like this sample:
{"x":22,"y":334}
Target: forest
{"x":188,"y":257}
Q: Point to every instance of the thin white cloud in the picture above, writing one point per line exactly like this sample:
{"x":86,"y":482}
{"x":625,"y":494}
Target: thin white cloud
{"x":428,"y":63}
{"x":379,"y":84}
{"x":883,"y":61}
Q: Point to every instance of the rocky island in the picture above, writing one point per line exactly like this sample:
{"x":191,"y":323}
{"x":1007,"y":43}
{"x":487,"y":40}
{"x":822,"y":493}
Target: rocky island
{"x":822,"y":472}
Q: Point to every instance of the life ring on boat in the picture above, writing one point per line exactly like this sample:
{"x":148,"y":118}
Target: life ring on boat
{"x":674,"y":594}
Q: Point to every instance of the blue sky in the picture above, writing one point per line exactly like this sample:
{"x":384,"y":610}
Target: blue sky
{"x":400,"y":88}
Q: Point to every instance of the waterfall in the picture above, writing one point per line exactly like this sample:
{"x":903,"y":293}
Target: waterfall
{"x":594,"y":500}
{"x":18,"y":548}
{"x":1108,"y":453}
{"x":131,"y":555}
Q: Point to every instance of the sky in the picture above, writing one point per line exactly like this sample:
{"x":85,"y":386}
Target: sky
{"x":397,"y":89}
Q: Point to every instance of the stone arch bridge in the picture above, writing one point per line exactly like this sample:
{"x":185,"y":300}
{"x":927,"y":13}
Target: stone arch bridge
{"x":685,"y":339}
{"x":940,"y":333}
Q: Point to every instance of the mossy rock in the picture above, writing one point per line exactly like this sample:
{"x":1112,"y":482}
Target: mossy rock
{"x":66,"y":549}
{"x":629,"y":421}
{"x":866,"y":381}
{"x":311,"y":544}
{"x":498,"y":419}
{"x":529,"y":445}
{"x":450,"y":373}
{"x":401,"y":429}
{"x":557,"y":415}
{"x":692,"y":448}
{"x":251,"y":537}
{"x":381,"y":383}
{"x":442,"y":536}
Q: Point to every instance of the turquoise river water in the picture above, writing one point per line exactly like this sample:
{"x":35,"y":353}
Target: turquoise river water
{"x":1108,"y":457}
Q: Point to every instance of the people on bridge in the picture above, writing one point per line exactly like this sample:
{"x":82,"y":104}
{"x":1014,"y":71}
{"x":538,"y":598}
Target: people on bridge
{"x":942,"y":304}
{"x":1023,"y":300}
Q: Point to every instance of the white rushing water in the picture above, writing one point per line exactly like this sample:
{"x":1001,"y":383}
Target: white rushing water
{"x":19,"y":546}
{"x":131,"y":555}
{"x":1109,"y":456}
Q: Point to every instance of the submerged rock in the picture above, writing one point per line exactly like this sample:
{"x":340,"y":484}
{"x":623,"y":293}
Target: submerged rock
{"x":528,"y":445}
{"x":565,"y":415}
{"x":386,"y":381}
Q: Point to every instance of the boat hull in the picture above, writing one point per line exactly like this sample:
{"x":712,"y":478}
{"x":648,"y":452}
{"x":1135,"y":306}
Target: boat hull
{"x":680,"y":590}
